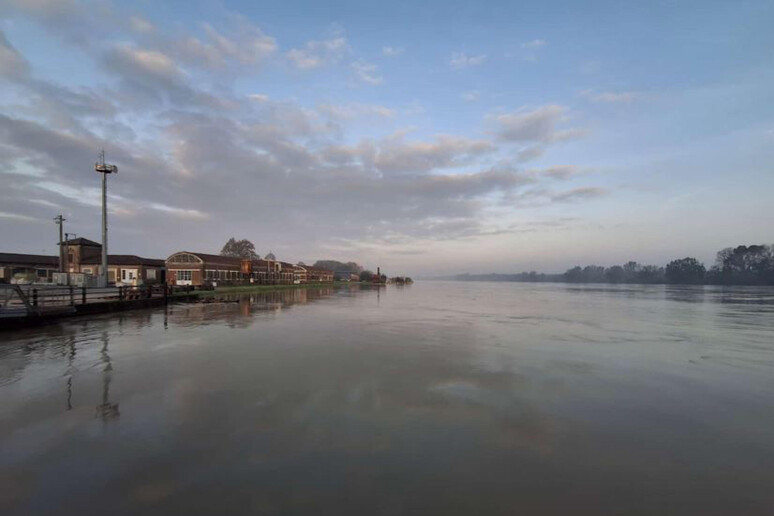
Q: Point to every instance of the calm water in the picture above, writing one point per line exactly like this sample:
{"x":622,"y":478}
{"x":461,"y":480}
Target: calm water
{"x":439,"y":398}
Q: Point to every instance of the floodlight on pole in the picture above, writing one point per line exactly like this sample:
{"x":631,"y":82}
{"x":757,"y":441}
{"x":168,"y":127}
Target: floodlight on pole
{"x":59,"y":219}
{"x":104,"y":169}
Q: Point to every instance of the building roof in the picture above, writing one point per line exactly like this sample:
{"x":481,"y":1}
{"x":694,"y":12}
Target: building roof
{"x":82,"y":241}
{"x":28,"y":259}
{"x":212,"y":258}
{"x":124,"y":259}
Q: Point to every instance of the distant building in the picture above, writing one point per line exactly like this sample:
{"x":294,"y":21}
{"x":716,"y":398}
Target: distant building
{"x":315,"y":275}
{"x":346,"y":276}
{"x":199,"y":269}
{"x":39,"y":267}
{"x":83,"y":256}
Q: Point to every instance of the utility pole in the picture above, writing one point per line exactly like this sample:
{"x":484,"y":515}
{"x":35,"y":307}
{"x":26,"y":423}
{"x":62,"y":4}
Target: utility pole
{"x":104,"y":169}
{"x":60,"y":222}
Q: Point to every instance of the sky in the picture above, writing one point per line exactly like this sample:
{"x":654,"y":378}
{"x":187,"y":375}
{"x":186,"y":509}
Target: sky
{"x":423,"y":137}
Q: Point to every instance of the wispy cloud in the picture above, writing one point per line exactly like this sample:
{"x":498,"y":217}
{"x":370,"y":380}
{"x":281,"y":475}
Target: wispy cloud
{"x":392,"y":51}
{"x":579,"y":194}
{"x":471,"y":96}
{"x":535,"y":43}
{"x":611,"y":97}
{"x":319,"y":53}
{"x":140,"y":24}
{"x":179,"y":212}
{"x":534,"y":125}
{"x":367,"y":72}
{"x":460,"y":60}
{"x":16,"y":216}
{"x":355,"y":110}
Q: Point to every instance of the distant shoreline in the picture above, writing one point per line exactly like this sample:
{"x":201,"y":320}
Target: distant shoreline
{"x":249,"y":289}
{"x":488,"y":278}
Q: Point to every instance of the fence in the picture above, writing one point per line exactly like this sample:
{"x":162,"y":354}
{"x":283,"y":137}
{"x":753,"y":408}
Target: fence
{"x":17,"y":300}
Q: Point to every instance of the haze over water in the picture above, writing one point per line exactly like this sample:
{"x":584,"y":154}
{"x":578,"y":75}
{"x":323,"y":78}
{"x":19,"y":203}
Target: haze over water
{"x":439,"y":398}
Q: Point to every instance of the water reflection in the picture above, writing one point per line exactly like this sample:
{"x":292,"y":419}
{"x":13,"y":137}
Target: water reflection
{"x":237,"y":310}
{"x":438,"y":399}
{"x":106,"y":410}
{"x":70,"y":370}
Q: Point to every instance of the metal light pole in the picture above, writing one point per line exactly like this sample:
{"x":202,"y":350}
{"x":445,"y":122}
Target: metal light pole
{"x":104,"y":169}
{"x":60,"y":222}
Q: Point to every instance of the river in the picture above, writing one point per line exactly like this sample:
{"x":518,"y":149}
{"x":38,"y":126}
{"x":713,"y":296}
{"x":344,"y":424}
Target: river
{"x":436,"y":398}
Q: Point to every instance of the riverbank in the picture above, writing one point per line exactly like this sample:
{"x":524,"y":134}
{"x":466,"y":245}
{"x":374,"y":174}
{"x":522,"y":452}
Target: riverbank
{"x":249,"y":289}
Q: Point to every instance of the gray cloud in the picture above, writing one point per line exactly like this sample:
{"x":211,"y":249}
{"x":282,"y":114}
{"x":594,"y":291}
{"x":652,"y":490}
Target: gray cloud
{"x":579,"y":194}
{"x":12,"y":63}
{"x":557,"y":172}
{"x":201,"y":166}
{"x":534,"y":125}
{"x":244,"y":45}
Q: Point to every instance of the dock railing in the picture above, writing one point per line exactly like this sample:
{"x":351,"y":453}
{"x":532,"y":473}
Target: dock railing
{"x":16,"y":300}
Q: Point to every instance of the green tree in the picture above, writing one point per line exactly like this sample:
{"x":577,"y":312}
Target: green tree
{"x":336,"y":266}
{"x":650,"y":274}
{"x":631,"y":270}
{"x":615,"y":274}
{"x":574,"y":275}
{"x":746,"y":265}
{"x":239,"y":249}
{"x":685,"y":271}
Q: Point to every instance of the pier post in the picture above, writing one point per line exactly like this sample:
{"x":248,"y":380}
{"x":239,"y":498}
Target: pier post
{"x":83,"y":295}
{"x":34,"y":297}
{"x":72,"y":296}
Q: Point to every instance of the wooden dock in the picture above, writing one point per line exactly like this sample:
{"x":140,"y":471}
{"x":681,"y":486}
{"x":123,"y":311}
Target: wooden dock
{"x":24,"y":305}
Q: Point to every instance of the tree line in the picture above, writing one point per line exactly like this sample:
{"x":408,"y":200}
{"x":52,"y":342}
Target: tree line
{"x":741,"y":265}
{"x":245,"y":249}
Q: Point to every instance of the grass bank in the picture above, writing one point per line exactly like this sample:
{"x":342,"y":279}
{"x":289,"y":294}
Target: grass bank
{"x":250,"y":289}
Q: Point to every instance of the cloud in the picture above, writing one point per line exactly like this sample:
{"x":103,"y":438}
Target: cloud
{"x":471,"y":96}
{"x":245,"y":45}
{"x":622,"y":97}
{"x":140,"y":24}
{"x":367,"y":72}
{"x":579,"y":194}
{"x":180,"y":212}
{"x":319,"y":53}
{"x":530,"y":49}
{"x":529,"y":153}
{"x":535,"y":43}
{"x":460,"y":60}
{"x":355,"y":110}
{"x":16,"y":216}
{"x":145,"y":62}
{"x":392,"y":51}
{"x":397,"y":156}
{"x":534,"y":125}
{"x":12,"y":64}
{"x":198,"y":155}
{"x":557,"y":172}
